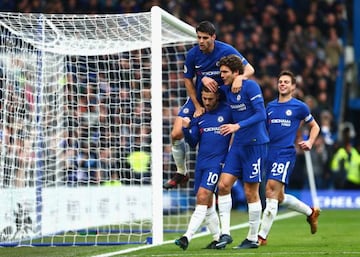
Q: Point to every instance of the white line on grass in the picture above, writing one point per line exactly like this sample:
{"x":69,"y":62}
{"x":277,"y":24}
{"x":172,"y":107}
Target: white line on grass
{"x":243,"y":225}
{"x":231,"y":253}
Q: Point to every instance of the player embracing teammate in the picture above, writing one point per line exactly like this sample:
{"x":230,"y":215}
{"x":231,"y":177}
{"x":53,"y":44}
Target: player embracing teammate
{"x":254,"y":130}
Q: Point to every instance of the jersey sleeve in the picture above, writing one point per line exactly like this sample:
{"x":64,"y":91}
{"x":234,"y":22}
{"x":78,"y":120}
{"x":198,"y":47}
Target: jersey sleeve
{"x":192,"y":134}
{"x":189,"y":66}
{"x":257,"y":102}
{"x":243,"y":59}
{"x":229,"y":49}
{"x":258,"y":116}
{"x":306,"y":114}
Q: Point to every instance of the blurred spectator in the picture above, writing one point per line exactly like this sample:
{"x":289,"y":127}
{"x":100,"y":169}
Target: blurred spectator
{"x":326,"y":126}
{"x":204,"y":10}
{"x":108,"y":7}
{"x":247,"y":23}
{"x":88,"y":171}
{"x":319,"y":158}
{"x":328,"y":133}
{"x":302,"y":36}
{"x":68,"y":157}
{"x":333,"y":48}
{"x":7,"y":5}
{"x":127,"y":6}
{"x":93,"y":6}
{"x":73,"y":7}
{"x":139,"y":156}
{"x":345,"y":164}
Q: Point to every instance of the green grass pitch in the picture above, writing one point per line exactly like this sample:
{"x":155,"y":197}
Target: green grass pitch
{"x":338,"y":235}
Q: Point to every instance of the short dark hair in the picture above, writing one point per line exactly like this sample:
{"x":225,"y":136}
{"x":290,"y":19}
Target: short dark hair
{"x":206,"y":27}
{"x":290,"y":74}
{"x":234,"y":63}
{"x":205,"y":89}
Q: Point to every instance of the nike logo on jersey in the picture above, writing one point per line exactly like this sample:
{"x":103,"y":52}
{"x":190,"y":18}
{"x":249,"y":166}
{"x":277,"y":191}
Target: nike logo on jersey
{"x":200,"y":122}
{"x":276,"y":174}
{"x":197,"y":66}
{"x":269,"y":113}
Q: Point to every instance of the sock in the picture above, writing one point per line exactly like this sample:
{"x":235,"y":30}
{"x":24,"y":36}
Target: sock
{"x":196,"y":220}
{"x":268,"y":217}
{"x":295,"y":204}
{"x":225,"y":205}
{"x":179,"y":153}
{"x":213,"y":222}
{"x":254,"y":220}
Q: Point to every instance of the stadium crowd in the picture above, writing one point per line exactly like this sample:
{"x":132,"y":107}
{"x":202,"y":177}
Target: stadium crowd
{"x":306,"y":37}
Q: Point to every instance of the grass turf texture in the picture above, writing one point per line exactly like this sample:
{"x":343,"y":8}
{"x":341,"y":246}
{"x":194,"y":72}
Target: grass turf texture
{"x":338,"y":235}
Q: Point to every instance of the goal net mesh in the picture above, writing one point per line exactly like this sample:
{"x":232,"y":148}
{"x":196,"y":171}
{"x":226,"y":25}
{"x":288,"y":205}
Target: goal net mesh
{"x":76,"y":150}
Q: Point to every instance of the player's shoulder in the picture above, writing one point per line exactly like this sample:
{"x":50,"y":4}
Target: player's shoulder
{"x":225,"y":47}
{"x":223,"y":88}
{"x":250,"y":83}
{"x":272,"y":103}
{"x":224,"y":106}
{"x":224,"y":110}
{"x":221,"y":43}
{"x":194,"y":50}
{"x":297,"y":102}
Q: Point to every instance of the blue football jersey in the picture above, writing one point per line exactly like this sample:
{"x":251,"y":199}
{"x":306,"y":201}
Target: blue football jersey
{"x":200,"y":65}
{"x":205,"y":131}
{"x":248,"y":111}
{"x":283,"y":121}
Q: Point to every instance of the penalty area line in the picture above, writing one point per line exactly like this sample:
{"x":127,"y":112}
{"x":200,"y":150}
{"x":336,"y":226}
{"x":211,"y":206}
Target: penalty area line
{"x":242,"y":225}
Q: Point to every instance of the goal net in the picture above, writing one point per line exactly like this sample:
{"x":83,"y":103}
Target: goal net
{"x":87,"y":105}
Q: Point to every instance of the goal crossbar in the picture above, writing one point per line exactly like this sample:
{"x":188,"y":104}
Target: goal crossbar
{"x":97,"y":39}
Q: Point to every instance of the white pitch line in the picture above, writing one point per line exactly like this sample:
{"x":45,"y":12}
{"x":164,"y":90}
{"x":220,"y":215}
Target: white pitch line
{"x":243,"y":225}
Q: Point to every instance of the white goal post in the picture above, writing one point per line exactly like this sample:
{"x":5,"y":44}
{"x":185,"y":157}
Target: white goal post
{"x":87,"y":105}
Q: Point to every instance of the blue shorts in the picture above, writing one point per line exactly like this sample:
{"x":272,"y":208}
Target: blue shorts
{"x":188,"y":109}
{"x":280,"y":164}
{"x":207,"y":178}
{"x":246,"y":162}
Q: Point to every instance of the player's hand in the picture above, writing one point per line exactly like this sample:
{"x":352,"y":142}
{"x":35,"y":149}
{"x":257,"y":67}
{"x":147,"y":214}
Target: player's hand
{"x":305,"y":145}
{"x":237,"y":84}
{"x":227,"y":129}
{"x":210,"y":84}
{"x":198,"y":112}
{"x":186,"y":122}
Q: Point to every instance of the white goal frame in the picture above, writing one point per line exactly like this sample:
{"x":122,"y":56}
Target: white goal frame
{"x":157,"y":162}
{"x":56,"y":43}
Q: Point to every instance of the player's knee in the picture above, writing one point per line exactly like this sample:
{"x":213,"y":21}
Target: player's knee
{"x":281,"y":197}
{"x":223,"y":188}
{"x":251,"y":198}
{"x":203,"y":200}
{"x":270,"y":193}
{"x":176,"y":135}
{"x":251,"y":195}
